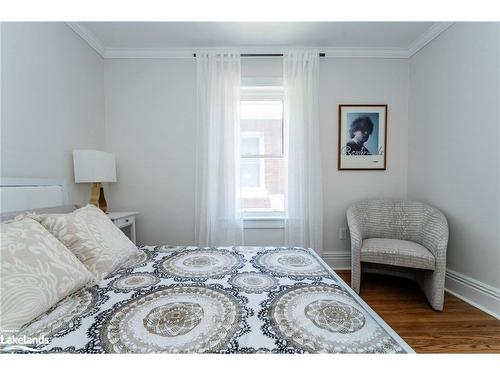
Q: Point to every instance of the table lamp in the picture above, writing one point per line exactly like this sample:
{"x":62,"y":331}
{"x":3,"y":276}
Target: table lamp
{"x":95,"y":167}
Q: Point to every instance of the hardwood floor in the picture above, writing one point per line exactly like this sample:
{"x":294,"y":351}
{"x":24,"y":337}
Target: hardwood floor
{"x":459,"y":328}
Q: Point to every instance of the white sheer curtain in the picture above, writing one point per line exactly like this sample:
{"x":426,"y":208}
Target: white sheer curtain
{"x":218,"y":215}
{"x":304,"y":196}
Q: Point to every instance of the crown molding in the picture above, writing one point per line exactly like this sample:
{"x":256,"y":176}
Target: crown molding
{"x":432,"y":33}
{"x":87,"y":36}
{"x":330,"y":52}
{"x":183,"y":53}
{"x":149,"y":53}
{"x":365,"y":52}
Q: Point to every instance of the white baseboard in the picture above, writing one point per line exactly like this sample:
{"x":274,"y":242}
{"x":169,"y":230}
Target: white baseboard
{"x":338,"y":260}
{"x":476,"y":293}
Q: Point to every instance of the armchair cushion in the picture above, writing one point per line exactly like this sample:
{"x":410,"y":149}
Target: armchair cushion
{"x":397,"y":252}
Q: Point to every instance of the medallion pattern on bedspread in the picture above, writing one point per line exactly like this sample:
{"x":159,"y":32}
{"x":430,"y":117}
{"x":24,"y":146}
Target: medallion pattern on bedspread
{"x":178,"y":319}
{"x":171,"y":299}
{"x":64,"y":317}
{"x":200,"y":264}
{"x":134,"y":281}
{"x":292,"y":262}
{"x":322,"y":318}
{"x":253,"y":282}
{"x":168,"y":248}
{"x":141,"y":259}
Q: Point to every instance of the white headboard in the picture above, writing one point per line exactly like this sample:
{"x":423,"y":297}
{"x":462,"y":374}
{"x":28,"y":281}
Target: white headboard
{"x":23,"y":194}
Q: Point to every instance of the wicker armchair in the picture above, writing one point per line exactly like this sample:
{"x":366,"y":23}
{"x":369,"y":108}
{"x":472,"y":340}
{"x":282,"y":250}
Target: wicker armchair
{"x":401,"y":237}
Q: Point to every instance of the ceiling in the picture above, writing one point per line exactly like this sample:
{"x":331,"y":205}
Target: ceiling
{"x":233,"y":34}
{"x":117,"y":39}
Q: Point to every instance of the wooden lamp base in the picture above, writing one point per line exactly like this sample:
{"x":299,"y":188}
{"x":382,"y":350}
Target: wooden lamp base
{"x":97,"y":196}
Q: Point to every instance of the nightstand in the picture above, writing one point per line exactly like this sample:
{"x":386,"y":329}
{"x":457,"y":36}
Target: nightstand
{"x":125,"y":221}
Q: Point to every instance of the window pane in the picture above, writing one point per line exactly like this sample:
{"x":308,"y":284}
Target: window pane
{"x":263,"y":184}
{"x":250,"y":173}
{"x":265,"y":119}
{"x":251,"y":144}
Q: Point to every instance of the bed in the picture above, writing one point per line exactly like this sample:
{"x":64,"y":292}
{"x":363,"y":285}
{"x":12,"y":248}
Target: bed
{"x":177,"y":299}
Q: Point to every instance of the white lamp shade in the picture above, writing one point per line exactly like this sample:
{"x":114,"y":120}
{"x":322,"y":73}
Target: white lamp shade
{"x":94,"y":166}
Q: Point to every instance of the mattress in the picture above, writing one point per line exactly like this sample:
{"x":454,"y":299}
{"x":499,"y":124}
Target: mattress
{"x":214,"y":300}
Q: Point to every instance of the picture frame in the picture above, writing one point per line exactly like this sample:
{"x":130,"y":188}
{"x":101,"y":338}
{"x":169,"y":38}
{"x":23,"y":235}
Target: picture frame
{"x":362,"y":137}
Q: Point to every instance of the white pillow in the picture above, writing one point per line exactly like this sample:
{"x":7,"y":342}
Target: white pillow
{"x":36,"y":271}
{"x":92,"y":237}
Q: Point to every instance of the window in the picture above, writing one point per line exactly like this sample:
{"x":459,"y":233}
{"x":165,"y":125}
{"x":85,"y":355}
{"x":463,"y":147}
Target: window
{"x":252,"y":176}
{"x":262,"y":166}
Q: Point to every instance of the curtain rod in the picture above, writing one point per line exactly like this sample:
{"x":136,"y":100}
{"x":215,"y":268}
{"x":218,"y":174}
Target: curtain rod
{"x":265,"y":54}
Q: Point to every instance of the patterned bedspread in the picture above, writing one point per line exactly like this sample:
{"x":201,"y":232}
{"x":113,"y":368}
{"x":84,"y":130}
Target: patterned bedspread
{"x":217,"y":300}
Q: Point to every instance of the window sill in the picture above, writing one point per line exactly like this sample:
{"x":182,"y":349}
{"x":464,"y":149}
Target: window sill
{"x":264,"y":222}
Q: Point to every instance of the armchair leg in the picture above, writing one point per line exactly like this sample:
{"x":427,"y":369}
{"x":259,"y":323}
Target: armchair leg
{"x":356,"y":276}
{"x":433,"y":288}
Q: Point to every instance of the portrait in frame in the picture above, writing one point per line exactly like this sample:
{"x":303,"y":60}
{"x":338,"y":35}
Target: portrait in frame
{"x":362,"y":137}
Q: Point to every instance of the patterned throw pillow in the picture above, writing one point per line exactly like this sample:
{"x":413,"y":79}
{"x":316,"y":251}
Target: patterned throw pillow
{"x":92,"y":237}
{"x":36,"y":271}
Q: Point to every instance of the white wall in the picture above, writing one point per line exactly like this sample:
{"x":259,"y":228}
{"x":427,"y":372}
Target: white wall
{"x":52,"y":102}
{"x":151,"y":127}
{"x":361,"y":81}
{"x":454,"y":157}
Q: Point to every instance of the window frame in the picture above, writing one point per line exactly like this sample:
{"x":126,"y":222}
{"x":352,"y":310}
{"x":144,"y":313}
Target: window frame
{"x":264,"y":89}
{"x":262,"y":166}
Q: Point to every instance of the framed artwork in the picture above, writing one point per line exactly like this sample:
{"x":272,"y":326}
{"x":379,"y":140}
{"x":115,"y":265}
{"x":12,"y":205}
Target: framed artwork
{"x":362,"y":137}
